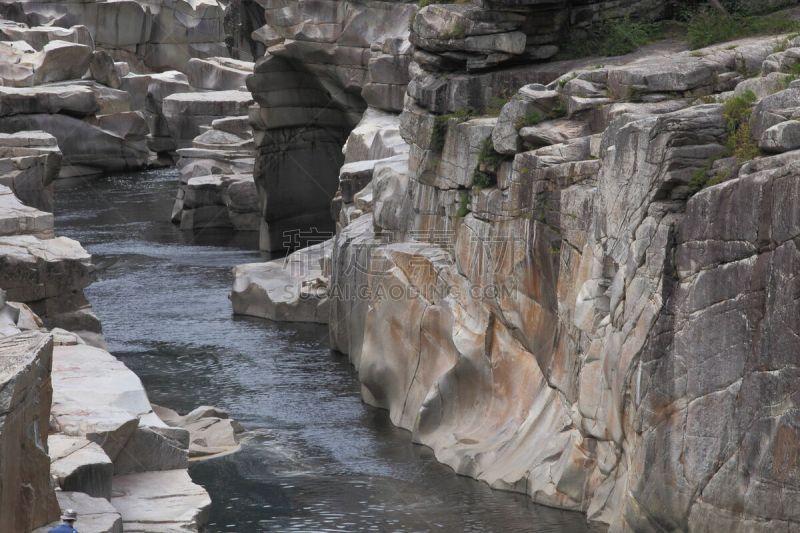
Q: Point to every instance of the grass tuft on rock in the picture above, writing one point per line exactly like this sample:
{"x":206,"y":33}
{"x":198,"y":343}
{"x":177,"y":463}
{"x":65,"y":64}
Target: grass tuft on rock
{"x":706,"y":27}
{"x":737,"y":111}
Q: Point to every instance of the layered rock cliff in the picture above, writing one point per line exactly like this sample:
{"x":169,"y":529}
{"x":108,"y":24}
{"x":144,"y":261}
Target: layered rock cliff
{"x":569,"y":279}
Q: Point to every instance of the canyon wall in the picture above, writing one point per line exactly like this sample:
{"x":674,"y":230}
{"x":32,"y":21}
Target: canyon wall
{"x":571,"y":279}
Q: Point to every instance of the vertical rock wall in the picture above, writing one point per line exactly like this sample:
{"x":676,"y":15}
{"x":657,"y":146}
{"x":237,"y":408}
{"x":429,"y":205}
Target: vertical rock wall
{"x":537,"y":290}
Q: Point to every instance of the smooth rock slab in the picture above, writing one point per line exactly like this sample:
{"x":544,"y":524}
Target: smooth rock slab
{"x":80,"y":465}
{"x":156,"y":502}
{"x":96,"y":396}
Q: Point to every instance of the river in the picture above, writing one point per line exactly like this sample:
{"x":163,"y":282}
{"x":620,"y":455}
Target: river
{"x":316,"y":458}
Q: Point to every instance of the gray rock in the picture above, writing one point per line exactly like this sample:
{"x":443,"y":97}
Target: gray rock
{"x":781,"y":137}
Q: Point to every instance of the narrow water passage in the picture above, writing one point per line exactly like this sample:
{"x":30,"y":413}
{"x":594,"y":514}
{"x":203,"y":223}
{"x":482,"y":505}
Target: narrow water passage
{"x":318,"y":459}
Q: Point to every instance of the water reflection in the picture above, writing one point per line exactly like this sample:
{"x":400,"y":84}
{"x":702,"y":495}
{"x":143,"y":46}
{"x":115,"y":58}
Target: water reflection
{"x":317,"y":458}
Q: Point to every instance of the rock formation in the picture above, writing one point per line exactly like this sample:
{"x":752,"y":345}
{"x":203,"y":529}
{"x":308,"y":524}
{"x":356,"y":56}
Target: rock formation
{"x":569,"y":279}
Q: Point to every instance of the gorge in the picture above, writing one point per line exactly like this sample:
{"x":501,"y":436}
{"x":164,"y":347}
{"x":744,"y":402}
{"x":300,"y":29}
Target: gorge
{"x":570,"y":278}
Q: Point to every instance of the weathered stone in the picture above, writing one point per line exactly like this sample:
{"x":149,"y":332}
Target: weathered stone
{"x":80,"y":465}
{"x":186,"y":112}
{"x":292,"y":289}
{"x":160,"y":502}
{"x":27,"y":500}
{"x":781,"y":137}
{"x":218,"y":73}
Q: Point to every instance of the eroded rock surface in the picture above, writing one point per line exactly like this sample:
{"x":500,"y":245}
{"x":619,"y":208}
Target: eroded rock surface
{"x":575,"y":296}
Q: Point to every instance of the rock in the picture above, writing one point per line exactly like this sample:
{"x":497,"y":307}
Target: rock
{"x":72,"y":100}
{"x":80,"y":465}
{"x":104,"y":70}
{"x":218,"y":73}
{"x":553,"y":132}
{"x":95,"y":515}
{"x":218,"y":200}
{"x":29,"y":162}
{"x":19,"y":219}
{"x":292,"y":289}
{"x":108,"y":143}
{"x":39,"y":36}
{"x":531,"y":100}
{"x":211,"y":433}
{"x":27,"y":499}
{"x":186,"y":112}
{"x":103,"y":407}
{"x":32,"y":269}
{"x":781,"y":137}
{"x":57,"y":61}
{"x":156,"y":502}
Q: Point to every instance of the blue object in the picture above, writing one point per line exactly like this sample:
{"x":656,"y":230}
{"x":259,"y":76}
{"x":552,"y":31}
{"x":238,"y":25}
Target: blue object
{"x":63,"y":528}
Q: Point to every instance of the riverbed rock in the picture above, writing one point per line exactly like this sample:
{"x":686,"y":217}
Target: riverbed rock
{"x":19,"y":219}
{"x":185,"y":113}
{"x":211,"y":432}
{"x":156,"y":502}
{"x":292,"y":289}
{"x":108,"y":143}
{"x":80,"y":465}
{"x":27,"y":499}
{"x":29,"y":162}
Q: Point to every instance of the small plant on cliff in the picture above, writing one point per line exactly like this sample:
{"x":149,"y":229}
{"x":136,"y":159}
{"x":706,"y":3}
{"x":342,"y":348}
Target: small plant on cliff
{"x":485,"y":174}
{"x":531,"y":118}
{"x":736,"y":111}
{"x":441,"y":124}
{"x":463,"y":204}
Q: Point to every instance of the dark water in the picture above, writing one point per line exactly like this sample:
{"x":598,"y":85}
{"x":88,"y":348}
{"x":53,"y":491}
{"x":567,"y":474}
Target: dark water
{"x":318,"y":459}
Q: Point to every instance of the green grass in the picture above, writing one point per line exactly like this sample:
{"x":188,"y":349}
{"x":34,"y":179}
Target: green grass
{"x":612,"y":38}
{"x":706,"y":27}
{"x":485,"y":174}
{"x":736,"y":111}
{"x":530,"y":119}
{"x":442,"y":122}
{"x":463,"y":204}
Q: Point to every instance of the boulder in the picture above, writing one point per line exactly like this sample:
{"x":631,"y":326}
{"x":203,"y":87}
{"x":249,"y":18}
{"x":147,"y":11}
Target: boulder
{"x":29,"y":162}
{"x":211,"y":432}
{"x":218,"y":73}
{"x":19,"y":219}
{"x":292,"y":289}
{"x":104,"y":70}
{"x":109,"y":143}
{"x":160,"y":502}
{"x":782,"y":137}
{"x":185,"y":113}
{"x":80,"y":465}
{"x":73,"y":100}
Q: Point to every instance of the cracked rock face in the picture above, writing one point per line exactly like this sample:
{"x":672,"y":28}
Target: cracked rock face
{"x":582,"y":325}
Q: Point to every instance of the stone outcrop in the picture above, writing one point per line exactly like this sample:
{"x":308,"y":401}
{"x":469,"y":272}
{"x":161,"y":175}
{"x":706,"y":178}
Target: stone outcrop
{"x":217,"y":188}
{"x":26,"y":495}
{"x":159,"y":35}
{"x":583,"y":293}
{"x":211,"y":431}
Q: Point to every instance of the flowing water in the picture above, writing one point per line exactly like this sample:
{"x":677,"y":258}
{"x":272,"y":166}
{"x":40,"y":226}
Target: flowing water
{"x":317,"y":458}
